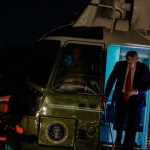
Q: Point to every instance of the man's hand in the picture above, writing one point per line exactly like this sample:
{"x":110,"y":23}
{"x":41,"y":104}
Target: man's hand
{"x":132,"y":92}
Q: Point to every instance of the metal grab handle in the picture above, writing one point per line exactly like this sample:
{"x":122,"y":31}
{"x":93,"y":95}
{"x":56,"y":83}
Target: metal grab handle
{"x":108,"y":123}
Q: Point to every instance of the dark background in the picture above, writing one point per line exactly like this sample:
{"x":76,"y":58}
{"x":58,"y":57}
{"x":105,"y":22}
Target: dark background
{"x":23,"y":22}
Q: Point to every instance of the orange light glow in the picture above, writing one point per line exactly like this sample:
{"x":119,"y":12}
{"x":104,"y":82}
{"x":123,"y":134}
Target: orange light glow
{"x":5,"y":98}
{"x":2,"y":138}
{"x":3,"y":108}
{"x":19,"y":129}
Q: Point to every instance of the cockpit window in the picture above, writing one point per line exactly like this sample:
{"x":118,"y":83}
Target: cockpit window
{"x":79,"y":70}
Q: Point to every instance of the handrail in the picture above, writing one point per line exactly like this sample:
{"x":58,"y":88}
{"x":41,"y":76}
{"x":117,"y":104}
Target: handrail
{"x":114,"y":15}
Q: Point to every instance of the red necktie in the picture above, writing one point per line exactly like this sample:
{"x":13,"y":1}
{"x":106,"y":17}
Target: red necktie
{"x":127,"y":85}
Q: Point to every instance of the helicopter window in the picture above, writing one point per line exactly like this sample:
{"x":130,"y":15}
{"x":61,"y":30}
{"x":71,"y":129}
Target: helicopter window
{"x":79,"y":70}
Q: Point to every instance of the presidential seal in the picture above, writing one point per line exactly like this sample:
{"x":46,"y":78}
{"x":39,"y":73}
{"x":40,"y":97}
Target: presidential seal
{"x":56,"y":132}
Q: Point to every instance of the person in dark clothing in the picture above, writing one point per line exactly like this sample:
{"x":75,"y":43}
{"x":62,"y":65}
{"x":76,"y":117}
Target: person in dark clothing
{"x":3,"y":110}
{"x":8,"y":128}
{"x":131,"y":77}
{"x":13,"y":116}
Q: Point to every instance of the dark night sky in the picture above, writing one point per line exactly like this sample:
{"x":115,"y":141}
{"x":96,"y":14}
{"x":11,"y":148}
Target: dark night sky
{"x":23,"y":22}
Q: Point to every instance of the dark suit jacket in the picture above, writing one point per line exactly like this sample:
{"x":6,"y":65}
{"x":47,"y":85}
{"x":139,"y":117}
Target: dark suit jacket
{"x":140,"y":81}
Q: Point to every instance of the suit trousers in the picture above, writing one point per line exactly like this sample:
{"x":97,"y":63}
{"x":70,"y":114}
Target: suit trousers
{"x":127,"y":116}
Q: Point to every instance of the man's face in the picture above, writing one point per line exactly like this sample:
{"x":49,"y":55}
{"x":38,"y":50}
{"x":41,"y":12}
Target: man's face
{"x":76,"y":54}
{"x":132,"y":61}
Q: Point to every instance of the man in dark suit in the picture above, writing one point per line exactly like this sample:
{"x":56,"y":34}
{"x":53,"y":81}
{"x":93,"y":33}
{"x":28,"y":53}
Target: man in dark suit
{"x":129,"y":96}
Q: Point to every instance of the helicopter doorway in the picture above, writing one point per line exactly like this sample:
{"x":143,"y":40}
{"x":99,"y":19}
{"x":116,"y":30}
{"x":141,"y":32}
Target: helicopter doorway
{"x":117,"y":53}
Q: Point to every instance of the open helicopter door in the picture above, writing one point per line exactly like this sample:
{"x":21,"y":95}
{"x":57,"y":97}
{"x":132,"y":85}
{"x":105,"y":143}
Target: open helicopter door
{"x":117,"y":53}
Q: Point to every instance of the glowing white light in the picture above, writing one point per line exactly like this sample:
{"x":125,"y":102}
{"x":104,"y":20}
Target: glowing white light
{"x":44,"y":110}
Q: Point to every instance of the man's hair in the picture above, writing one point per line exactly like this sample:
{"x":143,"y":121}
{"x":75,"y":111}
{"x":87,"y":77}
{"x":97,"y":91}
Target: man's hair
{"x":132,"y":54}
